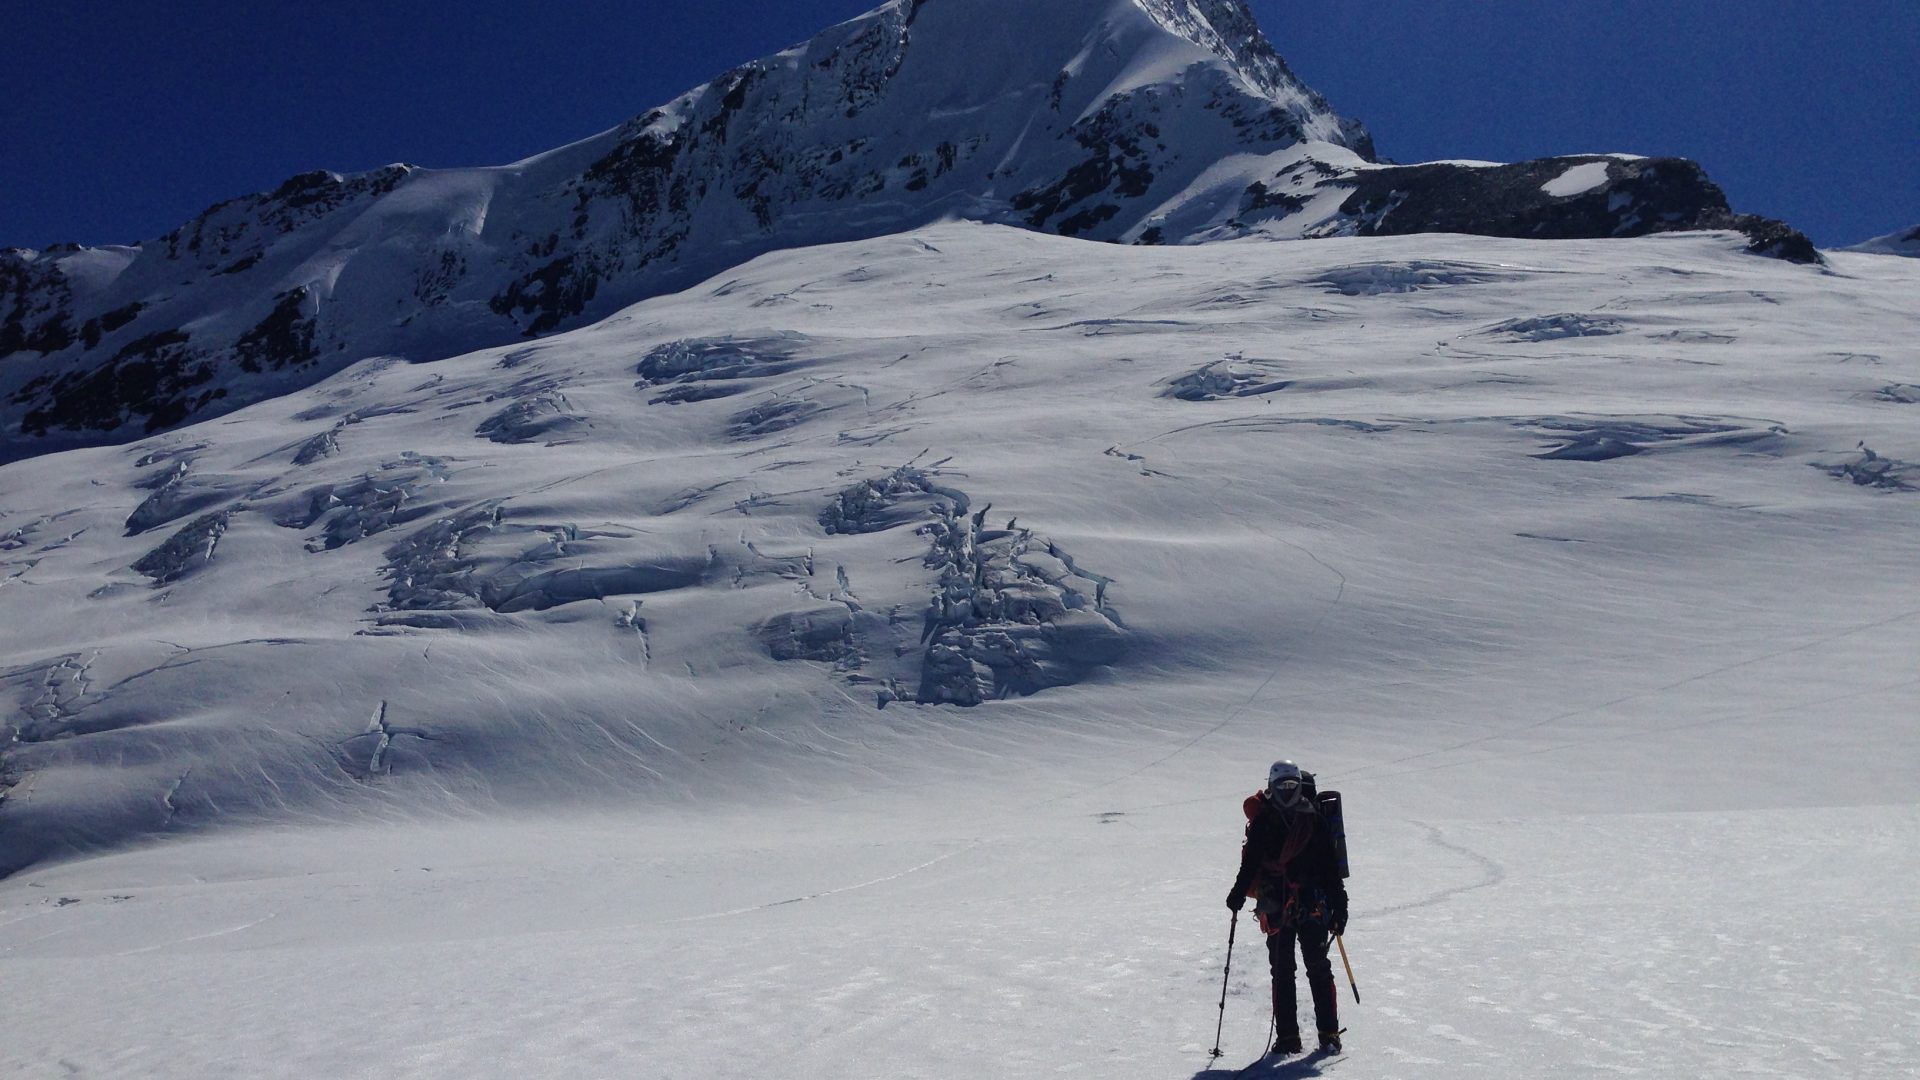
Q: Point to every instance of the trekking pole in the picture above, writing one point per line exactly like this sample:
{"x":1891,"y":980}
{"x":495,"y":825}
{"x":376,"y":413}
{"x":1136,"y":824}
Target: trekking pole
{"x":1342,"y":942}
{"x":1224,"y":976}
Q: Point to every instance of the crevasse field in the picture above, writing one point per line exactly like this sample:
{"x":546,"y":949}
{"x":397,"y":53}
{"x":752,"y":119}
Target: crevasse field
{"x":519,"y":715}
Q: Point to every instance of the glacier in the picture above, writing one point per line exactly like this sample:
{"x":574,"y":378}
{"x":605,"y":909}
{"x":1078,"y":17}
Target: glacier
{"x":882,"y":701}
{"x":688,"y":605}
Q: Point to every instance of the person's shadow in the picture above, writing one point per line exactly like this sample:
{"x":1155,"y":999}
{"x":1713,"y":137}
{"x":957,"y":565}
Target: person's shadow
{"x":1275,"y":1069}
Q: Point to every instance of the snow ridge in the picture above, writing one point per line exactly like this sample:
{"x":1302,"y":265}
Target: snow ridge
{"x":1084,"y":120}
{"x":1903,"y":242}
{"x":1128,"y":121}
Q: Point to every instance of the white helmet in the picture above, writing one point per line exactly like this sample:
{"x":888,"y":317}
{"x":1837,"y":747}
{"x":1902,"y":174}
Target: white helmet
{"x":1285,"y":786}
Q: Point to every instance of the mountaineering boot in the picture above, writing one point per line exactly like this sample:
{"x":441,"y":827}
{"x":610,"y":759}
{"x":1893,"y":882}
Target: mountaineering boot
{"x":1330,"y":1042}
{"x":1285,"y":1043}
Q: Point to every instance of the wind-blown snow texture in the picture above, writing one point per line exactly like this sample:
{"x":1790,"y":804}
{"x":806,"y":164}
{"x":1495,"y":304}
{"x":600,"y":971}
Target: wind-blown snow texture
{"x":1137,"y":121}
{"x":606,"y":705}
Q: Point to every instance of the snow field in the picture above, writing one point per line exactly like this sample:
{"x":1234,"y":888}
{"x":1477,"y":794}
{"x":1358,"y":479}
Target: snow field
{"x":1549,"y":556}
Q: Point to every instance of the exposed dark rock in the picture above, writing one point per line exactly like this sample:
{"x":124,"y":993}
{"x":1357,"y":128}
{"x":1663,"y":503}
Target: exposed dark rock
{"x":551,"y":294}
{"x":101,"y":325}
{"x":36,"y":304}
{"x":870,"y":61}
{"x":1118,"y":165}
{"x":282,"y":340}
{"x":228,"y":233}
{"x":1260,"y":197}
{"x":1639,"y":197}
{"x":158,"y":377}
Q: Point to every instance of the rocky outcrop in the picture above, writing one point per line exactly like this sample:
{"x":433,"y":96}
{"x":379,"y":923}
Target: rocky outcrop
{"x":1562,"y":198}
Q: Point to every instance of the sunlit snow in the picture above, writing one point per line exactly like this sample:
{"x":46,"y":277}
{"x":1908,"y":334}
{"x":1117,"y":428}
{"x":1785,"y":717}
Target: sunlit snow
{"x":520,"y":714}
{"x":1577,"y":180}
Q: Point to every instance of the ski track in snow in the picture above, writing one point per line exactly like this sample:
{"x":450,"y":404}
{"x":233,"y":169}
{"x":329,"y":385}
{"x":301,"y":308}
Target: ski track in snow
{"x":514,"y":758}
{"x":1495,"y":874}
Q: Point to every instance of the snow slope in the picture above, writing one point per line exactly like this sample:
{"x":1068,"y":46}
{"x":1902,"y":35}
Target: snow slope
{"x":1905,"y":242}
{"x":433,"y":721}
{"x":1133,"y":121}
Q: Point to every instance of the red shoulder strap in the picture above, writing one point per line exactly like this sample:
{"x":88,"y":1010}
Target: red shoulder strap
{"x":1253,"y":804}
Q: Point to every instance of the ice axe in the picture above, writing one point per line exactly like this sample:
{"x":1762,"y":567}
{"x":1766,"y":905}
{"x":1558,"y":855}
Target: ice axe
{"x":1342,"y":942}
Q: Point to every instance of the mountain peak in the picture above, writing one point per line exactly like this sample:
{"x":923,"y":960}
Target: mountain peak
{"x":1229,"y":29}
{"x":1129,"y":121}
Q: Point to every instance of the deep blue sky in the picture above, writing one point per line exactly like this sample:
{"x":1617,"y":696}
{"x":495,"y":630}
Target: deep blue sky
{"x":122,"y":119}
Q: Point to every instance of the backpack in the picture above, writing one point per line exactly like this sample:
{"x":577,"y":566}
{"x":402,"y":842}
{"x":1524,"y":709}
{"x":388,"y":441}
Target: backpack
{"x":1329,"y":806}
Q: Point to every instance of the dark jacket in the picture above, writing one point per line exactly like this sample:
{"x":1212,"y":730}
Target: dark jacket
{"x":1289,"y":861}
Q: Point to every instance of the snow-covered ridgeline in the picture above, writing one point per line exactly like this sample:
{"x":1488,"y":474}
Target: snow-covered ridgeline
{"x":914,"y":112}
{"x":1135,"y":121}
{"x":1904,"y":242}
